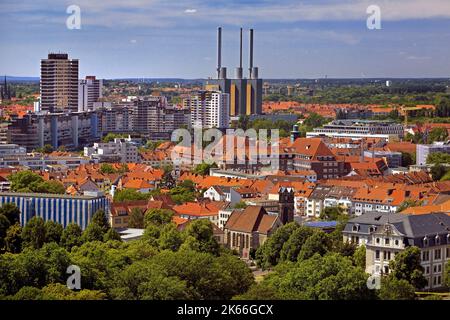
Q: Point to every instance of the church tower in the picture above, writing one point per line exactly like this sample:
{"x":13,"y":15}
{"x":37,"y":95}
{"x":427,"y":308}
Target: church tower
{"x":286,"y":204}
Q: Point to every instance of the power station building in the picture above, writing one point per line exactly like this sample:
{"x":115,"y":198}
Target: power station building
{"x":245,"y":93}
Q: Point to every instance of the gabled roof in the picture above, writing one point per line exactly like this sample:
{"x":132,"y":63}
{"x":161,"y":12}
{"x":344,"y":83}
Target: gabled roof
{"x":312,"y":147}
{"x":251,"y":219}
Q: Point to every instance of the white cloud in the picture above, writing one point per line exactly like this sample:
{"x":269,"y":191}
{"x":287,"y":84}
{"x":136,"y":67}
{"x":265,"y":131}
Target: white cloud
{"x":162,"y":13}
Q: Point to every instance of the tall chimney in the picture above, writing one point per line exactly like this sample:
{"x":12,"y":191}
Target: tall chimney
{"x":240,"y":50}
{"x":219,"y":51}
{"x":250,"y":67}
{"x":238,"y":72}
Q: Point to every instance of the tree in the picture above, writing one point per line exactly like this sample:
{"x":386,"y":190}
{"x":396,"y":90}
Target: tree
{"x":406,"y":266}
{"x":447,"y":275}
{"x":107,"y":168}
{"x":184,"y":192}
{"x":130,"y":195}
{"x":53,"y":231}
{"x":10,"y":211}
{"x":33,"y":234}
{"x":291,"y":248}
{"x":99,"y":218}
{"x":112,"y":235}
{"x":71,"y":236}
{"x":203,"y":168}
{"x":328,"y":277}
{"x":408,"y":159}
{"x":268,"y":254}
{"x":393,"y":288}
{"x":4,"y":226}
{"x":438,"y":172}
{"x":437,"y":134}
{"x":200,"y":237}
{"x":28,"y":293}
{"x":158,"y":217}
{"x":136,"y":219}
{"x":331,"y":213}
{"x":318,"y":243}
{"x":359,"y":257}
{"x":148,"y":281}
{"x":93,"y":232}
{"x":53,"y":187}
{"x":438,"y":158}
{"x":259,"y":292}
{"x":28,"y":181}
{"x":13,"y":239}
{"x":170,"y":238}
{"x":314,"y":120}
{"x":23,"y":180}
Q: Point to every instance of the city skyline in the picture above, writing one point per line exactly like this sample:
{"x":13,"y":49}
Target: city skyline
{"x":156,"y":39}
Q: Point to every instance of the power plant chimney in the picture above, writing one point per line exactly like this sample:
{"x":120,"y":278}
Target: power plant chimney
{"x":219,"y":51}
{"x":239,"y":69}
{"x":250,"y":66}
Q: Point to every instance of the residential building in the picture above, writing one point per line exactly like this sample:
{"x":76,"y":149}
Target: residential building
{"x":392,"y":159}
{"x":89,"y":91}
{"x":223,"y":193}
{"x":209,"y":109}
{"x":423,"y":150}
{"x":313,"y":154}
{"x":119,"y":150}
{"x":387,"y":235}
{"x":71,"y":130}
{"x":63,"y":209}
{"x":315,"y":202}
{"x":59,"y":83}
{"x":12,"y":150}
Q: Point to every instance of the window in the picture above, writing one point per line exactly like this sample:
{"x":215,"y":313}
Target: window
{"x":425,"y":241}
{"x":437,"y":254}
{"x":425,"y":255}
{"x":378,"y":240}
{"x":438,"y":240}
{"x":386,"y":269}
{"x":448,"y":253}
{"x":427,"y":270}
{"x":386,"y":241}
{"x":396,"y":242}
{"x":377,"y":255}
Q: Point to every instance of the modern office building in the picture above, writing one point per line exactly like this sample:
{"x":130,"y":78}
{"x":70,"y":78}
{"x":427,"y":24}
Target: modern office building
{"x":89,"y":91}
{"x":209,"y":109}
{"x":423,"y":150}
{"x":353,"y":128}
{"x":59,"y":83}
{"x":71,"y":130}
{"x":63,"y":209}
{"x":245,"y":93}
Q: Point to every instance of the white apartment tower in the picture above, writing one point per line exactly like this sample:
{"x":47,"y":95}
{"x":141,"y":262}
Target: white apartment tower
{"x":89,"y":91}
{"x":209,"y":109}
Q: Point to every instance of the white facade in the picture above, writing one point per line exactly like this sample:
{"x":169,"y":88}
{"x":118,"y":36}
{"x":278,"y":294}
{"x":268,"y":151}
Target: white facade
{"x":314,"y":207}
{"x":217,"y":193}
{"x":224,"y":215}
{"x":118,"y":150}
{"x":209,"y":109}
{"x":89,"y":91}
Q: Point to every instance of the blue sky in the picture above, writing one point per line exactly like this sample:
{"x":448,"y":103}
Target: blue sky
{"x":167,"y":38}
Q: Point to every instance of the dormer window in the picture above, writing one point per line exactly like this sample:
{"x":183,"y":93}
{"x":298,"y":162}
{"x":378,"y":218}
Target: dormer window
{"x":355,"y":228}
{"x":372,"y":229}
{"x":437,"y":239}
{"x":448,"y":238}
{"x":425,"y":241}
